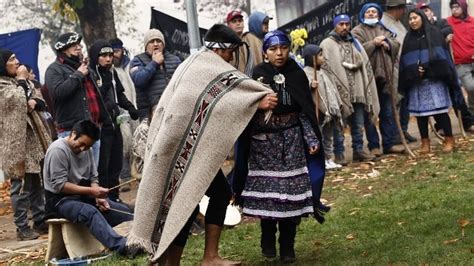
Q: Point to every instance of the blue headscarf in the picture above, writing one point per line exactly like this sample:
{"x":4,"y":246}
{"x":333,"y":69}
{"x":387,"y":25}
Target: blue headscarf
{"x":273,"y":38}
{"x":256,"y":20}
{"x":379,"y":11}
{"x":344,"y":18}
{"x":367,"y":6}
{"x":341,"y":18}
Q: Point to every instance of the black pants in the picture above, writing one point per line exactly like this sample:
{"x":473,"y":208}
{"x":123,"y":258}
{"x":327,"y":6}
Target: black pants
{"x":110,"y":160}
{"x":442,"y":122}
{"x":287,"y":228}
{"x":219,"y":194}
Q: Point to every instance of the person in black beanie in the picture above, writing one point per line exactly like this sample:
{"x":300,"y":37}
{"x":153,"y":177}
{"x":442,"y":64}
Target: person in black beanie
{"x":112,"y":91}
{"x":73,"y":91}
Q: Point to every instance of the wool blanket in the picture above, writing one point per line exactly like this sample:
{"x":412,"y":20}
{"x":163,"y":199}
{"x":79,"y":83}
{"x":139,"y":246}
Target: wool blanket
{"x":354,"y":86}
{"x":203,"y":110}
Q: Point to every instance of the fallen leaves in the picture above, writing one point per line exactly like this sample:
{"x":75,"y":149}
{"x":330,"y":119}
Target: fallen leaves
{"x":447,"y":242}
{"x":4,"y":210}
{"x":25,"y":255}
{"x":5,"y":202}
{"x":354,"y":211}
{"x":374,"y":174}
{"x":350,"y":237}
{"x":463,"y":223}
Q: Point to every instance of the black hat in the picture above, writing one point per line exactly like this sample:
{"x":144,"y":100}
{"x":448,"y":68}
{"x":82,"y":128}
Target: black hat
{"x":221,"y":36}
{"x":66,"y":40}
{"x":116,"y":43}
{"x":5,"y":54}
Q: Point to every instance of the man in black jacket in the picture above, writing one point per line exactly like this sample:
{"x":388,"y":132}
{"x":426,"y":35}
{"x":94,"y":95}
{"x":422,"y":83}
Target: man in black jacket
{"x":74,"y":93}
{"x":111,"y":149}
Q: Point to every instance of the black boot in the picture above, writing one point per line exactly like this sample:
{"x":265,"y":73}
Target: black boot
{"x":287,"y":229}
{"x":268,"y":239}
{"x":409,"y":138}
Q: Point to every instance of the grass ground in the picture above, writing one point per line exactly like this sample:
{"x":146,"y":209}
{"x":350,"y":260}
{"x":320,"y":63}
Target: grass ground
{"x":395,"y":212}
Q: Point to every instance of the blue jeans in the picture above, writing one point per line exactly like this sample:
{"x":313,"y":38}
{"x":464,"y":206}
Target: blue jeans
{"x":404,"y":114}
{"x":99,"y":223}
{"x":388,"y":128}
{"x":25,"y":195}
{"x":95,"y":147}
{"x":356,"y":121}
{"x":338,"y":140}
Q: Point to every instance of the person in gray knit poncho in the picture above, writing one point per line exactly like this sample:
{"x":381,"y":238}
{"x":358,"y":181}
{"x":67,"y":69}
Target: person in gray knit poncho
{"x":202,"y":111}
{"x":348,"y":62}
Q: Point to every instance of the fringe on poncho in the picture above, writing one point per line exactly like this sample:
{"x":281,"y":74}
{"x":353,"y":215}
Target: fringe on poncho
{"x":203,"y":110}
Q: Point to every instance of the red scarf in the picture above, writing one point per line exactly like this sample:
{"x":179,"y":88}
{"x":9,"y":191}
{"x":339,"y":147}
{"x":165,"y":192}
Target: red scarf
{"x":92,"y":99}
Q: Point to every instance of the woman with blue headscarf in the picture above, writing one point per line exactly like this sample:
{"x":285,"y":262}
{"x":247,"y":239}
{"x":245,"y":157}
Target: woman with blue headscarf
{"x":284,"y":156}
{"x":382,"y":49}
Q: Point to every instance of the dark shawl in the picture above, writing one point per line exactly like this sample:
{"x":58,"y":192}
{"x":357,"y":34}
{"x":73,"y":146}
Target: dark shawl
{"x":426,"y":47}
{"x":297,"y":85}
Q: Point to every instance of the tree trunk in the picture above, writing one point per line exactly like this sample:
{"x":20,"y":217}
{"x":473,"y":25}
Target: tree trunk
{"x":97,"y":20}
{"x":247,"y":8}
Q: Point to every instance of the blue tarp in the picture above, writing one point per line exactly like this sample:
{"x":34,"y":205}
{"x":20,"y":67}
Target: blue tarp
{"x":25,"y":45}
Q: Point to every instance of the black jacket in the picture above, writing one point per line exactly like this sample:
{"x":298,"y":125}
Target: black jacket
{"x":113,"y":94}
{"x":66,"y":88}
{"x":443,"y":26}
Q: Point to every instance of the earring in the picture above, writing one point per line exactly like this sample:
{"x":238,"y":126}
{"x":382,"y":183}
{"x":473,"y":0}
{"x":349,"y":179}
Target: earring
{"x":265,"y":59}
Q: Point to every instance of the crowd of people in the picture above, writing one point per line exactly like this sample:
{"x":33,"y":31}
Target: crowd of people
{"x":105,"y":119}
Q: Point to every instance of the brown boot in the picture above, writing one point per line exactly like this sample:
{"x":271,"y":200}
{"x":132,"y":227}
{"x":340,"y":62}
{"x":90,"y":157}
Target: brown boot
{"x":448,"y":144}
{"x":425,"y":146}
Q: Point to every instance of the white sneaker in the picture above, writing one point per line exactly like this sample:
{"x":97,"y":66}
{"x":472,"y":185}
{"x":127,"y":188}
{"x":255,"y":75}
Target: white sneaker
{"x":334,"y":164}
{"x":330,"y":164}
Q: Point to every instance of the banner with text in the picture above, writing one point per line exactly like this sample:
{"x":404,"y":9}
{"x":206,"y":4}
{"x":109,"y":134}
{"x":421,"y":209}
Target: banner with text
{"x":318,"y":22}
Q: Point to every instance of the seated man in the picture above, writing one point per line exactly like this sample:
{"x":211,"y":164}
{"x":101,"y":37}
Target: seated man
{"x":72,"y":188}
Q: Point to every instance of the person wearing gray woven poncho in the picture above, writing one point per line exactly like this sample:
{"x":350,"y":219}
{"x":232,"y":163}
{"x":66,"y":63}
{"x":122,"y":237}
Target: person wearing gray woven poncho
{"x":203,"y":110}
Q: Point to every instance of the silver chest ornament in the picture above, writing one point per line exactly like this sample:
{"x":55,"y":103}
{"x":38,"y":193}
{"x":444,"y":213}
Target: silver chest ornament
{"x":279,"y":80}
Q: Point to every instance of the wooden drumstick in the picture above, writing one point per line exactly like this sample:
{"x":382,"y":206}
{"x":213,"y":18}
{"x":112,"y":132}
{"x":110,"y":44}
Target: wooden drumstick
{"x":124,"y":183}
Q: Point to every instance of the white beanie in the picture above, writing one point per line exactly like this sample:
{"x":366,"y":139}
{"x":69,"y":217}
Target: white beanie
{"x":153,"y":34}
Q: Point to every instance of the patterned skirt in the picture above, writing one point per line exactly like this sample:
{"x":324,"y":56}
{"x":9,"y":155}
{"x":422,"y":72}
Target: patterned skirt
{"x":429,"y":98}
{"x":278,"y":184}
